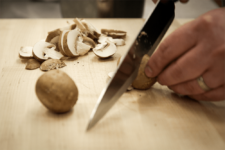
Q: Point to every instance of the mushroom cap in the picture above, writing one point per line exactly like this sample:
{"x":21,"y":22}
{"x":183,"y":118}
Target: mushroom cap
{"x":26,"y":52}
{"x":51,"y":64}
{"x":32,"y":64}
{"x":105,"y":50}
{"x":38,"y":49}
{"x":55,"y":40}
{"x":82,"y":48}
{"x":52,"y":53}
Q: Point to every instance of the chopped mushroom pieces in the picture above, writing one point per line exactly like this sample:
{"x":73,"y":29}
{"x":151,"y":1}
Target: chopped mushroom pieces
{"x":73,"y":40}
{"x":51,"y":64}
{"x":32,"y":64}
{"x":26,"y":52}
{"x":114,"y":33}
{"x":52,"y":53}
{"x":118,"y":42}
{"x":39,"y":48}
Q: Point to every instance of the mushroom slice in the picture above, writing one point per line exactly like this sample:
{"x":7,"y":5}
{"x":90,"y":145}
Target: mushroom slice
{"x":89,"y":26}
{"x":89,"y":41}
{"x":38,"y":50}
{"x":103,"y":38}
{"x":70,"y":44}
{"x":81,"y":47}
{"x":52,"y":64}
{"x":93,"y":33}
{"x":52,"y":53}
{"x":55,"y":40}
{"x":105,"y":49}
{"x":81,"y":26}
{"x":60,"y":43}
{"x":118,"y":42}
{"x":32,"y":64}
{"x":52,"y":34}
{"x":26,"y":52}
{"x":114,"y":33}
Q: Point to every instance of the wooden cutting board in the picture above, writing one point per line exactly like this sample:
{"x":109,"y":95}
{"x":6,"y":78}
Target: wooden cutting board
{"x":141,"y":120}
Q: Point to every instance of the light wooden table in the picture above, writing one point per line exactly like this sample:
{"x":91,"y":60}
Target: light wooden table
{"x":141,"y":120}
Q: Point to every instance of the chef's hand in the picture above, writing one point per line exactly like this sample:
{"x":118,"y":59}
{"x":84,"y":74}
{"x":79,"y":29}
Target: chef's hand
{"x":193,"y":50}
{"x":182,"y":1}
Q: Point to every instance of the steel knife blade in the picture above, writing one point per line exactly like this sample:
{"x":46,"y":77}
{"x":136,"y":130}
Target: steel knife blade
{"x":146,"y":42}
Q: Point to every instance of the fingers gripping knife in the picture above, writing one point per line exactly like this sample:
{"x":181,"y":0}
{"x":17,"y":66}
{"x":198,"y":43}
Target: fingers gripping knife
{"x":145,"y":43}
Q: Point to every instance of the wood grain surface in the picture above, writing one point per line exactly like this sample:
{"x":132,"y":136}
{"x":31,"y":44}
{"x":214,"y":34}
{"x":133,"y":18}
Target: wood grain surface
{"x":154,"y":119}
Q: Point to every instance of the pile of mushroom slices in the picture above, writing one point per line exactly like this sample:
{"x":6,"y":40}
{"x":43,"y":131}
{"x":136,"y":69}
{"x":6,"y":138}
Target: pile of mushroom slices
{"x":71,"y":41}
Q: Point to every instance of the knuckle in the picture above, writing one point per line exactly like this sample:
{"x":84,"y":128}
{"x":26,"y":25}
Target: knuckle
{"x":204,"y":23}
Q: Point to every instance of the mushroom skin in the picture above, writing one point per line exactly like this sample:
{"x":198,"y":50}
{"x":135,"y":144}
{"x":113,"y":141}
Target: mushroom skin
{"x":142,"y":82}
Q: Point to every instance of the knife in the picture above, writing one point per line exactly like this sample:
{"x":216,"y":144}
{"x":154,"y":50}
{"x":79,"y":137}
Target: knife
{"x":145,"y":43}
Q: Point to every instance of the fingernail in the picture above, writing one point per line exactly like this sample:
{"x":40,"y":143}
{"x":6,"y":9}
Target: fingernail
{"x":148,"y":71}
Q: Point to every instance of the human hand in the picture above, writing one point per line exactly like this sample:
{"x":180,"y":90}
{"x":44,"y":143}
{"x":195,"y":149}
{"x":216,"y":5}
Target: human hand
{"x":193,"y":50}
{"x":182,"y":1}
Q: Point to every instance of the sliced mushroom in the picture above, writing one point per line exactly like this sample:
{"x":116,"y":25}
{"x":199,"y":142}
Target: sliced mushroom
{"x":69,"y":43}
{"x":52,"y":53}
{"x":38,"y":50}
{"x":81,"y":26}
{"x":55,"y":40}
{"x":89,"y":41}
{"x":32,"y":64}
{"x":52,"y":34}
{"x":60,"y":43}
{"x":26,"y":52}
{"x":81,"y":47}
{"x":114,"y":33}
{"x":102,"y":39}
{"x":118,"y":42}
{"x":93,"y":33}
{"x":105,"y":49}
{"x":52,"y":64}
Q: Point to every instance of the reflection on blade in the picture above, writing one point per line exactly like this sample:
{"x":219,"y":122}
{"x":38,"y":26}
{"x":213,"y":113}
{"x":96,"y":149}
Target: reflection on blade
{"x":145,"y":43}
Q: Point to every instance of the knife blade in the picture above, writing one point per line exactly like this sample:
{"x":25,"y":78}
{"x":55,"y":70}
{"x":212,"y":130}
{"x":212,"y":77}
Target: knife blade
{"x":146,"y":42}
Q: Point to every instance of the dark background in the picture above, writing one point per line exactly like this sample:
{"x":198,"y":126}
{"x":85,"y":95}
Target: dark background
{"x":97,"y":8}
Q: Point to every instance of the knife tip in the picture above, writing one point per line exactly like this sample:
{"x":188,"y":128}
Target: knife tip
{"x":91,"y":123}
{"x":88,"y":127}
